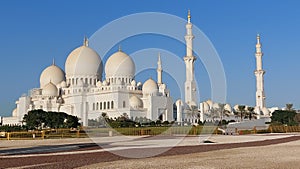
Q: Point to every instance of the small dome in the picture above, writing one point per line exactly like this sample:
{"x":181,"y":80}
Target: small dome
{"x":99,"y":84}
{"x":135,"y":102}
{"x":236,"y":108}
{"x":150,"y":87}
{"x":179,"y":102}
{"x":63,"y":84}
{"x":139,"y":84}
{"x":15,"y":113}
{"x":210,"y":103}
{"x":52,"y":73}
{"x":83,"y":61}
{"x":119,"y":64}
{"x":104,"y":83}
{"x":205,"y":107}
{"x":133,"y":83}
{"x":265,"y":111}
{"x":227,"y":107}
{"x":50,"y":90}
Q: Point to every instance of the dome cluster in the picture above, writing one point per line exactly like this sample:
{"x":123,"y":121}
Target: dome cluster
{"x":209,"y":104}
{"x":84,"y":67}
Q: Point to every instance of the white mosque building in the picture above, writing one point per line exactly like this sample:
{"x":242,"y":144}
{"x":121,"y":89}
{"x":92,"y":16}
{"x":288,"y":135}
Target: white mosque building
{"x":80,"y":90}
{"x":83,"y":92}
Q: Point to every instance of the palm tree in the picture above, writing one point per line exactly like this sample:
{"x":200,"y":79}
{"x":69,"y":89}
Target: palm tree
{"x":192,"y":113}
{"x":223,"y":111}
{"x":241,"y":111}
{"x":250,"y":112}
{"x":289,"y":107}
{"x":214,"y":113}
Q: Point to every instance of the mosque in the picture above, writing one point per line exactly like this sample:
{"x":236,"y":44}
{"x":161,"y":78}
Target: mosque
{"x":81,"y":90}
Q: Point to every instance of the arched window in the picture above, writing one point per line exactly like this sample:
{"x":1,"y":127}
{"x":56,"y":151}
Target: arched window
{"x":72,"y":81}
{"x":86,"y":80}
{"x":124,"y":104}
{"x":112,"y":104}
{"x":97,"y":106}
{"x":108,"y":105}
{"x":100,"y":105}
{"x":93,"y":106}
{"x":90,"y":80}
{"x":76,"y":81}
{"x":104,"y":105}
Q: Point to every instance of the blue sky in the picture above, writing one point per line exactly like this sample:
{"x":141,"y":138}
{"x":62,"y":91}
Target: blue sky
{"x":34,"y":32}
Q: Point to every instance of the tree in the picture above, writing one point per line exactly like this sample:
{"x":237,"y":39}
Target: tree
{"x":289,"y":107}
{"x":223,"y":112}
{"x":214,"y":113}
{"x":241,"y":111}
{"x":251,"y":113}
{"x":193,"y":113}
{"x":284,"y":117}
{"x":39,"y":119}
{"x":297,"y":118}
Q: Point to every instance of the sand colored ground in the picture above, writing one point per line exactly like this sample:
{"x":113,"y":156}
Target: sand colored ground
{"x":285,"y":155}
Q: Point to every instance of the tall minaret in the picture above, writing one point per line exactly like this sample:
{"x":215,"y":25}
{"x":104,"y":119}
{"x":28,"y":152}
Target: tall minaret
{"x":259,"y":73}
{"x":159,"y":71}
{"x":189,"y":59}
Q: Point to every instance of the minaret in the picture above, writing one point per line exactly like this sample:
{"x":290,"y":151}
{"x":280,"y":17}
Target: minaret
{"x":159,"y":71}
{"x":259,"y":73}
{"x":189,"y":59}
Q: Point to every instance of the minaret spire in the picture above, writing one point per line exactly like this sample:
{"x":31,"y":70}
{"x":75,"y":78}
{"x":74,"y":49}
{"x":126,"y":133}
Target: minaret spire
{"x":159,"y":70}
{"x":189,"y":16}
{"x":189,"y":59}
{"x":259,"y":73}
{"x":85,"y":41}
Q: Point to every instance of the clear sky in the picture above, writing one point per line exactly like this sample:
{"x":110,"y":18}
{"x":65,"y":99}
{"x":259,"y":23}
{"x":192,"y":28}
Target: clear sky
{"x":34,"y":32}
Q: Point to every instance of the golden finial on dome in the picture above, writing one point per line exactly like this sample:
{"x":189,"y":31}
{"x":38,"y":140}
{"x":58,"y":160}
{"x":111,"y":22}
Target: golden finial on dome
{"x":53,"y":62}
{"x":120,"y":49}
{"x":85,"y":41}
{"x":189,"y":16}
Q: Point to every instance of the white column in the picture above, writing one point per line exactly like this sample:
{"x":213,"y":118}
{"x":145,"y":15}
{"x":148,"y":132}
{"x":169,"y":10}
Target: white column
{"x":179,"y":110}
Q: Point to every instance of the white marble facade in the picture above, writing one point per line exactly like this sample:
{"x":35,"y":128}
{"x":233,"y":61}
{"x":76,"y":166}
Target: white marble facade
{"x":80,"y":91}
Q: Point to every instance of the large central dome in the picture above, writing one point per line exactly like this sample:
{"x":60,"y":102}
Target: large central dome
{"x":119,"y":64}
{"x":83,"y":61}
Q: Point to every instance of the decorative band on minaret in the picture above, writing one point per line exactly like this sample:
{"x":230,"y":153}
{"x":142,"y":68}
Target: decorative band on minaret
{"x":259,"y":73}
{"x":189,"y":59}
